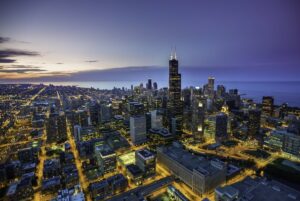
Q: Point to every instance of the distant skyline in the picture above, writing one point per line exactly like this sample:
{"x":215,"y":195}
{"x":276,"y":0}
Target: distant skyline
{"x":63,"y":40}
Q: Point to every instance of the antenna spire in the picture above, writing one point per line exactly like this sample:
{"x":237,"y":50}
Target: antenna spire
{"x":175,"y":57}
{"x":173,"y":53}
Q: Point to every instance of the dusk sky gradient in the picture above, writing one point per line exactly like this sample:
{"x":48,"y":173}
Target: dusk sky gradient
{"x":70,"y":40}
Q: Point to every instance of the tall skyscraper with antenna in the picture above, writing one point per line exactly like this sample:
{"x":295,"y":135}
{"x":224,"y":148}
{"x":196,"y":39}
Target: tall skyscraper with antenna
{"x":175,"y":110}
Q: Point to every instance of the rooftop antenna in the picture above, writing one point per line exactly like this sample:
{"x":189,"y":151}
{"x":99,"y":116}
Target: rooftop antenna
{"x":175,"y":57}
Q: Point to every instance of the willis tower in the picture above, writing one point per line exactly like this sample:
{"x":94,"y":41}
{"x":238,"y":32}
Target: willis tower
{"x":175,"y":110}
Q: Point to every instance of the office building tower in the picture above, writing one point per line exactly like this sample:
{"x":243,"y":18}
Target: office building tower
{"x":56,"y":127}
{"x":254,"y":122}
{"x":198,"y":115}
{"x":267,"y":105}
{"x":210,"y":128}
{"x":138,"y":129}
{"x":221,"y":127}
{"x":149,"y":84}
{"x":62,"y":126}
{"x":291,"y":144}
{"x":148,"y":121}
{"x":135,"y":108}
{"x":105,"y":113}
{"x":156,"y":120}
{"x":94,"y":111}
{"x":221,"y":90}
{"x":233,"y":91}
{"x":175,"y":108}
{"x":77,"y":132}
{"x":211,"y":86}
{"x":81,"y":117}
{"x":146,"y":161}
{"x":155,"y":87}
{"x":187,"y":98}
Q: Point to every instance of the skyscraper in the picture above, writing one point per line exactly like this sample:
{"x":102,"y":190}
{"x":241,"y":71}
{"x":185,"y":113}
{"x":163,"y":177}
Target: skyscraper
{"x":221,"y":127}
{"x":211,"y":86}
{"x":149,"y":84}
{"x":198,"y":113}
{"x":138,"y":129}
{"x":254,"y":122}
{"x":267,"y":105}
{"x":155,"y":85}
{"x":175,"y":110}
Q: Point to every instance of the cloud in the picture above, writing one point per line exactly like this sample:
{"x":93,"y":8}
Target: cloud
{"x":3,"y":60}
{"x":20,"y":69}
{"x":5,"y":55}
{"x":12,"y":53}
{"x":4,"y":39}
{"x":59,"y":63}
{"x":91,"y":61}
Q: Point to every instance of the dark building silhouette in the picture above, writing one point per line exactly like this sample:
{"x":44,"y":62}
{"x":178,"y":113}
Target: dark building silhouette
{"x":175,"y":110}
{"x":56,"y":127}
{"x":221,"y":127}
{"x":254,"y":122}
{"x":149,"y":84}
{"x":155,"y":87}
{"x":267,"y":105}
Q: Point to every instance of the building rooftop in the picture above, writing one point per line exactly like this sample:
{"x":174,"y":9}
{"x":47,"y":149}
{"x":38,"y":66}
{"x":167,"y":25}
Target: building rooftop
{"x":12,"y":189}
{"x":48,"y":183}
{"x":134,"y":169}
{"x":145,"y":154}
{"x":127,"y":159}
{"x":260,"y":189}
{"x":193,"y":162}
{"x":161,"y":131}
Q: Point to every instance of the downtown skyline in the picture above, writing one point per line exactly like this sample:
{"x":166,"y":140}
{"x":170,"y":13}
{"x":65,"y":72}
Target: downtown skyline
{"x":237,"y":41}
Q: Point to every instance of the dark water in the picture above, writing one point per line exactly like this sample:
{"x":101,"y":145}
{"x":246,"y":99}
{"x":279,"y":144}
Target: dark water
{"x":288,"y":92}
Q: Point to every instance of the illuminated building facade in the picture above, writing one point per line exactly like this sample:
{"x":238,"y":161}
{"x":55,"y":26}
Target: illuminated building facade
{"x":175,"y":110}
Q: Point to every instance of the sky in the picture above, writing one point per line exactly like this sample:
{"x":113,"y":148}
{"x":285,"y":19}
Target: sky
{"x":62,"y":40}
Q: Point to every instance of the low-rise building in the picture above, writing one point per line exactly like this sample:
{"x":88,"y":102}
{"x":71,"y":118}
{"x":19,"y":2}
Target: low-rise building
{"x":146,"y":161}
{"x":200,"y":174}
{"x":256,"y":189}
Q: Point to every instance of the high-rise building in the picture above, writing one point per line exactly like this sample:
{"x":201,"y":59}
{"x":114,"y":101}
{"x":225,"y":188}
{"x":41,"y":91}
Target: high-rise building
{"x":221,"y":90}
{"x":175,"y":110}
{"x":221,"y":127}
{"x":135,"y":108}
{"x":155,"y":86}
{"x":105,"y":113}
{"x":267,"y":105}
{"x":77,"y":132}
{"x":138,"y":129}
{"x":149,"y":84}
{"x":198,"y":112}
{"x":211,"y":86}
{"x":94,"y":110}
{"x":62,"y":126}
{"x":148,"y":121}
{"x":254,"y":122}
{"x":156,"y":119}
{"x":56,"y":127}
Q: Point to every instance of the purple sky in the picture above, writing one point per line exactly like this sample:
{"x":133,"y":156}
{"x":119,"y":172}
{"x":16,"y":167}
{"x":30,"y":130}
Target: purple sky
{"x":232,"y":40}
